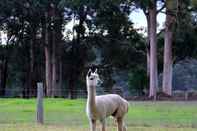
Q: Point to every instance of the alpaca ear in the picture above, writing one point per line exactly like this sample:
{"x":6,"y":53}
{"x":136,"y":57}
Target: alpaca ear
{"x":95,"y":70}
{"x":89,"y":72}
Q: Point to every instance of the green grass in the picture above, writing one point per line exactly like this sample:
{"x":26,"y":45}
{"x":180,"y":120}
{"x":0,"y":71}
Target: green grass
{"x":81,"y":128}
{"x":69,"y":115}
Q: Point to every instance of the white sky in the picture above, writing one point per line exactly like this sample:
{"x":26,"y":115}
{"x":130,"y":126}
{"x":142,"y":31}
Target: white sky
{"x":3,"y":36}
{"x":139,"y":20}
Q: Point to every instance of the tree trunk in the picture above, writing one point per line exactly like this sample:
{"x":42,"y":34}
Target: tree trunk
{"x":73,"y":70}
{"x":54,"y":73}
{"x":48,"y":74}
{"x":31,"y":65}
{"x":167,"y":67}
{"x":74,"y":65}
{"x":148,"y":47}
{"x":60,"y":79}
{"x":77,"y":63}
{"x":153,"y":50}
{"x":148,"y":62}
{"x":1,"y":90}
{"x":3,"y":76}
{"x":71,"y":92}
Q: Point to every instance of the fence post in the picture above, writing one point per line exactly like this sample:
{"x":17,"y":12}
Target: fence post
{"x":40,"y":115}
{"x":186,"y":95}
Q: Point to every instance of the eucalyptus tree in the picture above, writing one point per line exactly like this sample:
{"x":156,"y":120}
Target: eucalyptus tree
{"x":151,"y":10}
{"x":179,"y":36}
{"x":76,"y":11}
{"x":24,"y":22}
{"x":105,"y":23}
{"x":10,"y":24}
{"x":168,"y":39}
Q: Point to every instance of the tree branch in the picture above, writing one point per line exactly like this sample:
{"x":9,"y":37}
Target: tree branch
{"x":159,"y":10}
{"x":163,"y":12}
{"x":145,"y":12}
{"x":161,"y":31}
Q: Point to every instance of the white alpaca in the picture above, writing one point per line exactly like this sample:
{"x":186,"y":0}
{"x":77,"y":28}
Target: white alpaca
{"x":100,"y":107}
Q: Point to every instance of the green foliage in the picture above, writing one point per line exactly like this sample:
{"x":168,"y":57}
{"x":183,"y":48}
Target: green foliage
{"x":110,"y":18}
{"x":194,"y":4}
{"x":142,"y":3}
{"x":185,"y":34}
{"x":120,"y":42}
{"x":105,"y":24}
{"x":138,"y":80}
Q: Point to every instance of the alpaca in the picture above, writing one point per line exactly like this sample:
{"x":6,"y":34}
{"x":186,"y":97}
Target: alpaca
{"x":100,"y":107}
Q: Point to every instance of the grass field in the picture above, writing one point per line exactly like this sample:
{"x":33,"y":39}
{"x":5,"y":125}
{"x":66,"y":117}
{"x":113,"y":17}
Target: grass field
{"x":69,"y":115}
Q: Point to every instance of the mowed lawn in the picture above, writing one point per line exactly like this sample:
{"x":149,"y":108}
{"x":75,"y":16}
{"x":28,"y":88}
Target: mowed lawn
{"x":69,"y":115}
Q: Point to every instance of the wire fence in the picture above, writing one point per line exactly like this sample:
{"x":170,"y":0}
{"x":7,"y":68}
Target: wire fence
{"x":56,"y":93}
{"x":41,"y":110}
{"x":57,"y":111}
{"x":82,"y":93}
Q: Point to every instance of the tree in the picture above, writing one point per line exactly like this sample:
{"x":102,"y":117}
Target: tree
{"x":80,"y":10}
{"x":153,"y":48}
{"x":179,"y":26}
{"x":51,"y":34}
{"x":149,"y":8}
{"x":169,"y":27}
{"x":23,"y":20}
{"x":7,"y":24}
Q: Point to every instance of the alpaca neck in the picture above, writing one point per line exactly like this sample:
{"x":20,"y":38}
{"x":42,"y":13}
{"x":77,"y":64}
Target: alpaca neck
{"x":91,"y":98}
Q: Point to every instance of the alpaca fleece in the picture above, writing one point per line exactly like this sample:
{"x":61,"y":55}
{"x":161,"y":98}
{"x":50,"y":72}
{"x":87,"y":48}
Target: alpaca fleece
{"x":108,"y":105}
{"x":100,"y":107}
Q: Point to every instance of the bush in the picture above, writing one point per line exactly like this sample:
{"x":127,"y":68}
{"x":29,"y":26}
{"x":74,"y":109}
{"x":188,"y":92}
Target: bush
{"x":137,"y":81}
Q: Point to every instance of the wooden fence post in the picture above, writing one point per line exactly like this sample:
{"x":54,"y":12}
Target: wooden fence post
{"x":40,"y":113}
{"x":186,"y":95}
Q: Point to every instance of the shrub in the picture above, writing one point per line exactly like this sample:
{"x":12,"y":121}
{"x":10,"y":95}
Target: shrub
{"x":137,"y":81}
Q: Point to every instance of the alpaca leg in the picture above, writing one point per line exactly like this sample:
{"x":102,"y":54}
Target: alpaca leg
{"x":103,"y":124}
{"x":93,"y":125}
{"x":124,"y":127}
{"x":120,"y":124}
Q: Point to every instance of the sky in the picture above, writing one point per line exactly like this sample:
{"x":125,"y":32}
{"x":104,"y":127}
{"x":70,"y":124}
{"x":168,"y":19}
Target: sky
{"x":139,"y":20}
{"x":3,"y":37}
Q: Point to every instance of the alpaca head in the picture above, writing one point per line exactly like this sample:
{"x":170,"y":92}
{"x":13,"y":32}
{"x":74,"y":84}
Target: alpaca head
{"x":92,"y":78}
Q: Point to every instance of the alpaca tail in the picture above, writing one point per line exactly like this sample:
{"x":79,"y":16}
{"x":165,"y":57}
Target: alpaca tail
{"x":127,"y":106}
